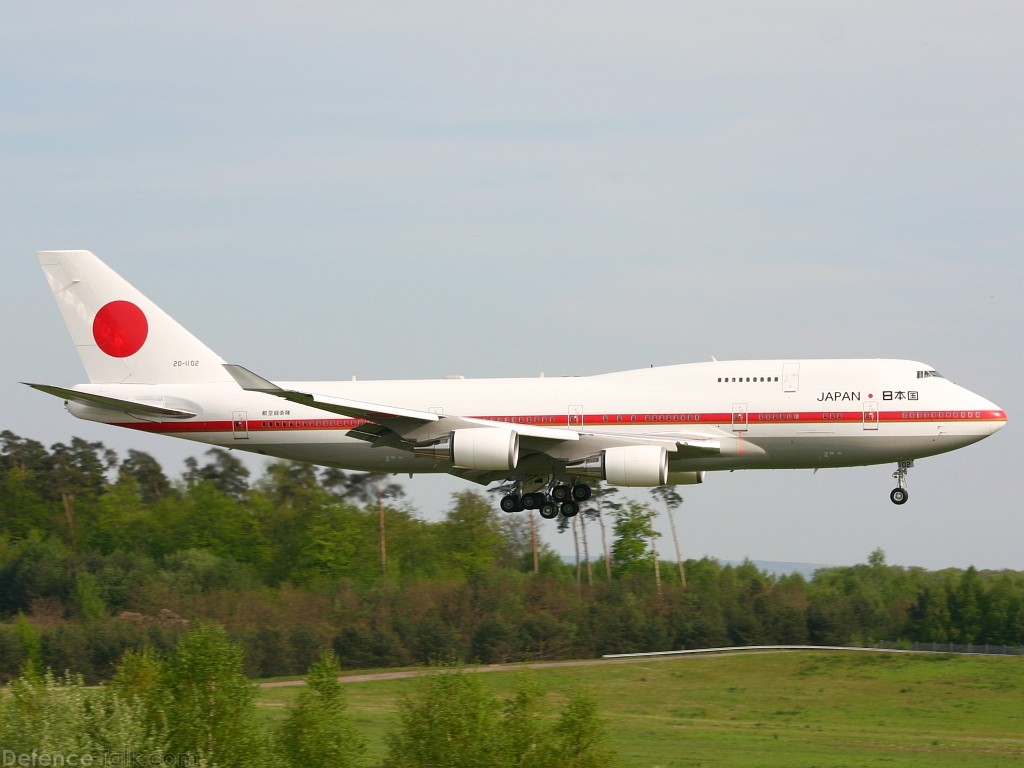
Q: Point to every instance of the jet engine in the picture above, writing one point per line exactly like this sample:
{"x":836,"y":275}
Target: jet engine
{"x":628,"y":465}
{"x":483,"y":448}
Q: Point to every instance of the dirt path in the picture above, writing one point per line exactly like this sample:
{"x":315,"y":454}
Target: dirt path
{"x":407,"y":673}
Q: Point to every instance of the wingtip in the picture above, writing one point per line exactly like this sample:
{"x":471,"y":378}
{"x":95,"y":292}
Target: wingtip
{"x":249,"y":381}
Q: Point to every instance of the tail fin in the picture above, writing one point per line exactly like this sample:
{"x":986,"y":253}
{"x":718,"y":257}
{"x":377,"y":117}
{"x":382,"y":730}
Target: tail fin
{"x":121,"y":336}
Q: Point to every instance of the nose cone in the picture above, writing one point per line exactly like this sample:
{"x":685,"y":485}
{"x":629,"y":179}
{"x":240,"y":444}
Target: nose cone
{"x":984,"y":417}
{"x":993,"y":416}
{"x":999,"y":419}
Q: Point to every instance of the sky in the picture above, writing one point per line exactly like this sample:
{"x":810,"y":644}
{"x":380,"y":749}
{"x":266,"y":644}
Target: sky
{"x":412,"y":190}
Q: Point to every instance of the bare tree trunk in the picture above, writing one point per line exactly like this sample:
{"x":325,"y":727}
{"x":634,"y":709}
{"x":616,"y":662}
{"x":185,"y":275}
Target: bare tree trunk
{"x":576,"y":545}
{"x":654,"y":550}
{"x":69,"y":513}
{"x":586,"y":552}
{"x":533,"y":543}
{"x":383,"y":530}
{"x":604,"y":543}
{"x":675,"y":540}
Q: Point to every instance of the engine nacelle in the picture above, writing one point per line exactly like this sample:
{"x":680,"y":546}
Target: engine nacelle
{"x":686,"y":478}
{"x":636,"y":465}
{"x":628,"y":465}
{"x":484,"y":448}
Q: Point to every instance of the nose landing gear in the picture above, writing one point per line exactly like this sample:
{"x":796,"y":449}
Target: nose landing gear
{"x":899,"y":494}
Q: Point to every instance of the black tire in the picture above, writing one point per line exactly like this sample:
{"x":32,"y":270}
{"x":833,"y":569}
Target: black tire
{"x":548,"y":510}
{"x":510,"y":503}
{"x":570,"y":508}
{"x":532,"y":500}
{"x":581,"y":492}
{"x":561,"y":493}
{"x":899,"y":496}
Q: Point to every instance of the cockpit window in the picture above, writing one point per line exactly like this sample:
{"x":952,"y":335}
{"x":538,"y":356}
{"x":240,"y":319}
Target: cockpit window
{"x":929,"y":375}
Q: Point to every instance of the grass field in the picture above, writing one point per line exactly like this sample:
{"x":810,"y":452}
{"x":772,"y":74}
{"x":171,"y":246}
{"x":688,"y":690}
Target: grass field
{"x":795,"y":709}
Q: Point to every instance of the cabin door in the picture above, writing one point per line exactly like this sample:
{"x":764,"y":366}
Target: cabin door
{"x":240,"y":425}
{"x":790,"y":377}
{"x":870,"y":415}
{"x":739,"y":417}
{"x":576,"y":417}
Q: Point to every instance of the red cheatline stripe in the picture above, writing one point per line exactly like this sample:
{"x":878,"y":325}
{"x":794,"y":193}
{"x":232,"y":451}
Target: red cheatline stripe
{"x":753,"y":418}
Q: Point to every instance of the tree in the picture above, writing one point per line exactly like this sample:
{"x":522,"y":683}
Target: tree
{"x":471,"y":534}
{"x":293,"y":483}
{"x":52,"y":718}
{"x":27,"y":487}
{"x":451,"y":720}
{"x":672,"y":501}
{"x":211,"y":710}
{"x":586,"y":551}
{"x":32,"y":645}
{"x":600,"y":502}
{"x":79,"y":470}
{"x":448,"y":720}
{"x":87,"y":597}
{"x":318,"y":730}
{"x":633,"y":531}
{"x":654,"y":549}
{"x":365,"y":488}
{"x":580,"y":738}
{"x":968,"y":606}
{"x":37,"y":569}
{"x":338,"y":542}
{"x":225,"y":471}
{"x":147,"y":473}
{"x":142,"y":676}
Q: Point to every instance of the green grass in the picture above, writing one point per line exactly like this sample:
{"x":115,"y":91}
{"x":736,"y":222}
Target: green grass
{"x":797,"y":710}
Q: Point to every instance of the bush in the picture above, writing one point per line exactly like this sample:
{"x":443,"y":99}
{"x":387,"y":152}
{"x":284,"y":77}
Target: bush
{"x":450,"y":719}
{"x":318,"y":730}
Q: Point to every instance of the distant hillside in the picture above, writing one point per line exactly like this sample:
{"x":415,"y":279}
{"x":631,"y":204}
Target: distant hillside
{"x":776,"y":568}
{"x":783,"y":569}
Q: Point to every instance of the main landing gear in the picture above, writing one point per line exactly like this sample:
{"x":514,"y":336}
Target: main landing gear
{"x":558,"y":498}
{"x":899,"y":494}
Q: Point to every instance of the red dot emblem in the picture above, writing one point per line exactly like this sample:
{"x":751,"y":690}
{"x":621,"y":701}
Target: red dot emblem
{"x":120,"y":328}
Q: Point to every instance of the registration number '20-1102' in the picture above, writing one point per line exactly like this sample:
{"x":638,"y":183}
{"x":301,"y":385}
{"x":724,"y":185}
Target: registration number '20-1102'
{"x":185,"y":363}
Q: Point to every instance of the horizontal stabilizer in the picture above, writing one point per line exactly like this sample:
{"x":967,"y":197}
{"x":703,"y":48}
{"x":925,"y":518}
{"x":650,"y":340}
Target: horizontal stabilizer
{"x":129,"y":407}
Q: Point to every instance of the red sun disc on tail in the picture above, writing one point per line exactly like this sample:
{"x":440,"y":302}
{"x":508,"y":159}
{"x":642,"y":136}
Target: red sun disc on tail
{"x":120,"y":328}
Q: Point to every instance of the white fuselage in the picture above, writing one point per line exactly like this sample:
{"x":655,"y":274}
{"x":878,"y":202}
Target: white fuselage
{"x":766,"y":414}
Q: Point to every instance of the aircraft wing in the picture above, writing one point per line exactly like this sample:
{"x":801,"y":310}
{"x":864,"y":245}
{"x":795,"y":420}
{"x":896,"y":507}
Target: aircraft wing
{"x":357,"y":409}
{"x":382,"y":415}
{"x":389,"y":425}
{"x":139,"y":409}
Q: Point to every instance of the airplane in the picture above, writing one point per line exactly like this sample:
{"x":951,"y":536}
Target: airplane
{"x":542,"y":439}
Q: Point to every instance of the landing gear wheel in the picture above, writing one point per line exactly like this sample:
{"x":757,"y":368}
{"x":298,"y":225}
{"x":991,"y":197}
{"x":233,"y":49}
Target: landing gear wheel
{"x":899,"y":494}
{"x":548,"y":510}
{"x":510,"y":503}
{"x":561,"y":493}
{"x":581,"y":492}
{"x":570,"y":508}
{"x":532,"y":500}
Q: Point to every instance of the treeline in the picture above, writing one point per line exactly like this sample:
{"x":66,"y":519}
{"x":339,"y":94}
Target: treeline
{"x":100,"y":554}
